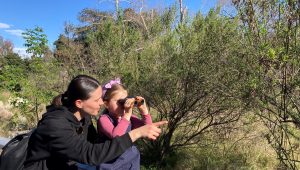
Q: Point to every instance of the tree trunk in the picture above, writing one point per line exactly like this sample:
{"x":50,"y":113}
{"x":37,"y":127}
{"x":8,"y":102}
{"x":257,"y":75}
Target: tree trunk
{"x":181,"y":11}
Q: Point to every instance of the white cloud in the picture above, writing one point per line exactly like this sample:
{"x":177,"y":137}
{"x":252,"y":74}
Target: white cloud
{"x":15,"y":32}
{"x":22,"y":52}
{"x":3,"y":25}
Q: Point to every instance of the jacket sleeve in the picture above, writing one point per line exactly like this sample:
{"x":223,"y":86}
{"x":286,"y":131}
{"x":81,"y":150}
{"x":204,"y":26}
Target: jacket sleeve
{"x":67,"y":144}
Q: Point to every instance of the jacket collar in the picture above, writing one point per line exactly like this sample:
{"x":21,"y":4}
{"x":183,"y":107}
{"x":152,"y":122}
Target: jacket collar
{"x":62,"y":111}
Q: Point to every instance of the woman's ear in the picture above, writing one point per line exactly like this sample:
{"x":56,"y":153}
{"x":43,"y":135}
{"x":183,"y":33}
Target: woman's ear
{"x":78,"y":104}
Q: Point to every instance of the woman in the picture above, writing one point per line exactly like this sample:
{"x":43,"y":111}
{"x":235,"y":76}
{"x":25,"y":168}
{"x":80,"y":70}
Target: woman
{"x":65,"y":134}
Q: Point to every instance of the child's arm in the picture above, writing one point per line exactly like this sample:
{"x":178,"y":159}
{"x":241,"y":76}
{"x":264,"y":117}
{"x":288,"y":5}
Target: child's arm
{"x":106,"y":127}
{"x":136,"y":122}
{"x":146,"y":117}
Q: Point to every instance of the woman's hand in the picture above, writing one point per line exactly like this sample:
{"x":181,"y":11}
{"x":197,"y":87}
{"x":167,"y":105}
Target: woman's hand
{"x":150,"y":131}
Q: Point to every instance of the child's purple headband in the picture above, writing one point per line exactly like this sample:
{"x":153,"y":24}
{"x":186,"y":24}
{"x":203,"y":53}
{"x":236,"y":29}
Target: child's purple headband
{"x":109,"y":85}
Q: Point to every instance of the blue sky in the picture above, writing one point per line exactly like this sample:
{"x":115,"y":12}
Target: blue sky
{"x":18,"y":15}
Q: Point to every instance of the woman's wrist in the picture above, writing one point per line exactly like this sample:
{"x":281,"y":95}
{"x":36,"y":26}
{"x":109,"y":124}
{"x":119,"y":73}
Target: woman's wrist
{"x":134,"y":135}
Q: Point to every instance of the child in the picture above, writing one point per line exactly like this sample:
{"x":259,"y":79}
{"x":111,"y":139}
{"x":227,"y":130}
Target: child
{"x":117,"y":119}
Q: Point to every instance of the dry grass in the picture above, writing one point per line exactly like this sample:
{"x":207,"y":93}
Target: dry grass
{"x":245,"y":147}
{"x":5,"y":112}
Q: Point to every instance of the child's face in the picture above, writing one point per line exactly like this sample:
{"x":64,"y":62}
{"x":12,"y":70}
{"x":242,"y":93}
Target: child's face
{"x":113,"y":106}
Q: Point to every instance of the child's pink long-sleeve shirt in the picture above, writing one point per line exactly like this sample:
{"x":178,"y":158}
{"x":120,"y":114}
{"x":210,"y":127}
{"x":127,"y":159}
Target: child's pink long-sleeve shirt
{"x":106,"y":127}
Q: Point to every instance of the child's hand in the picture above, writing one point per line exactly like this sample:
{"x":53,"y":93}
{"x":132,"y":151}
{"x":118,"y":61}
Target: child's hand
{"x":142,"y":106}
{"x":128,"y":105}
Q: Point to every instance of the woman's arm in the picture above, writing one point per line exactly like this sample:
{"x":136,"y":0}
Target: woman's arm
{"x":150,"y":131}
{"x":63,"y":141}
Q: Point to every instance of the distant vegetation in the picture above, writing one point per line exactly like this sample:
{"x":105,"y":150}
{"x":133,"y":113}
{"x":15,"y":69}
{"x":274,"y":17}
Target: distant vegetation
{"x":228,"y":83}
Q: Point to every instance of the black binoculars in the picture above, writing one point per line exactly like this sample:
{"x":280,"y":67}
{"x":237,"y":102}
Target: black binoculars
{"x":137,"y":101}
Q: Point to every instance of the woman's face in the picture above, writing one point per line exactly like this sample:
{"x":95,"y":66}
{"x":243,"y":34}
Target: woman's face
{"x":93,"y":104}
{"x":113,"y":106}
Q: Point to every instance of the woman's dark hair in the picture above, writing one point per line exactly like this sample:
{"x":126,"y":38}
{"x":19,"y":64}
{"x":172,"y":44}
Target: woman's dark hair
{"x":80,"y":87}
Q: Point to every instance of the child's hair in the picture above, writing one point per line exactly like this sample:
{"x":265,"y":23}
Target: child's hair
{"x":110,"y":89}
{"x":109,"y":93}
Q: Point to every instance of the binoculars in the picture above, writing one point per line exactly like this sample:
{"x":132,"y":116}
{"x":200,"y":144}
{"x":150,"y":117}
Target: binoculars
{"x":136,"y":101}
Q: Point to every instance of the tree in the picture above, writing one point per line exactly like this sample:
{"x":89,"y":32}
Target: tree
{"x":181,"y":10}
{"x":272,"y":32}
{"x":35,"y":41}
{"x":6,"y":47}
{"x":13,"y":71}
{"x":193,"y":77}
{"x":39,"y":88}
{"x":69,"y":53}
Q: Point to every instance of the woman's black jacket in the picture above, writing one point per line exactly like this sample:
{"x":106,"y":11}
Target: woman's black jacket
{"x":60,"y":140}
